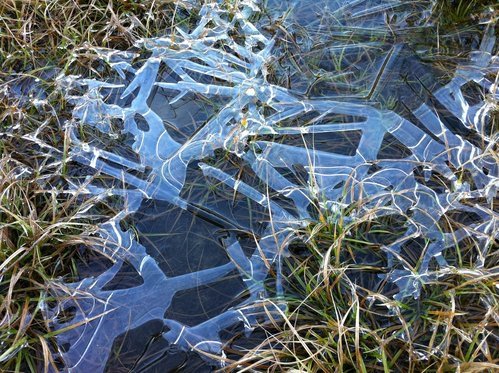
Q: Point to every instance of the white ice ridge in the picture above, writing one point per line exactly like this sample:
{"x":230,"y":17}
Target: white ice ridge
{"x":224,"y":59}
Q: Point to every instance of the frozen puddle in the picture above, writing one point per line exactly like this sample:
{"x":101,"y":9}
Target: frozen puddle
{"x":230,"y":134}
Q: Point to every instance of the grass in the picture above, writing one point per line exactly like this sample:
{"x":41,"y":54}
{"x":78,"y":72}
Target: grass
{"x":41,"y":227}
{"x":342,"y":316}
{"x":457,"y":13}
{"x":35,"y":32}
{"x":40,"y":39}
{"x":457,"y":22}
{"x":40,"y":231}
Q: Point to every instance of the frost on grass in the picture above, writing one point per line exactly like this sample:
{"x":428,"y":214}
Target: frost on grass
{"x":200,"y":101}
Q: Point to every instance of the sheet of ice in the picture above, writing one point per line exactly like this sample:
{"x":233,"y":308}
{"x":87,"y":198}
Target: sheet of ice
{"x":224,"y":60}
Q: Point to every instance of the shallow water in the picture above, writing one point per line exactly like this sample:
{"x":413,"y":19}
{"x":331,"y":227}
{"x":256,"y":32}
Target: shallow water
{"x":224,"y":139}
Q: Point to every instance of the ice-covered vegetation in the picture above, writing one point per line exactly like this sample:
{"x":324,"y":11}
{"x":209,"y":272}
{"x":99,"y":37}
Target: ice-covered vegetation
{"x":225,"y":58}
{"x":270,"y":133}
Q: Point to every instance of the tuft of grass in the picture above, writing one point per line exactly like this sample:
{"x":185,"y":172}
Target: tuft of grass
{"x":37,"y":33}
{"x":342,"y":316}
{"x":457,"y":24}
{"x":453,"y":14}
{"x":40,"y":231}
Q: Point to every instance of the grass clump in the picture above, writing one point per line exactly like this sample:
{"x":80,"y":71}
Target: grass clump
{"x":342,"y":315}
{"x":40,"y":230}
{"x":454,"y":14}
{"x":36,"y":33}
{"x":457,"y":29}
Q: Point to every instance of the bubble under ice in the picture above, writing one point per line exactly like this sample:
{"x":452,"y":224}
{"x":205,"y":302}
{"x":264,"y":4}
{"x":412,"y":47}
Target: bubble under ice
{"x":225,"y":59}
